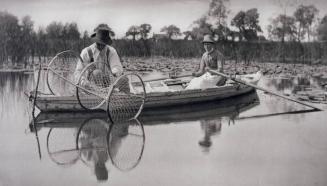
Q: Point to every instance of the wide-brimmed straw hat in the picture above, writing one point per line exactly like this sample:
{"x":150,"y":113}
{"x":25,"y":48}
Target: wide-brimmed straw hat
{"x":208,"y":39}
{"x":102,"y":34}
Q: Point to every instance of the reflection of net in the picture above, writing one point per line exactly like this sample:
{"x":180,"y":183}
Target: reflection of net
{"x":96,"y":79}
{"x":126,"y":99}
{"x":62,"y":66}
{"x":126,"y":144}
{"x":61,"y":146}
{"x":91,"y":142}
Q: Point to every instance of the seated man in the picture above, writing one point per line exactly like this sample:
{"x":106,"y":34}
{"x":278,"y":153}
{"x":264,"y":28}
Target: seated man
{"x":212,"y":59}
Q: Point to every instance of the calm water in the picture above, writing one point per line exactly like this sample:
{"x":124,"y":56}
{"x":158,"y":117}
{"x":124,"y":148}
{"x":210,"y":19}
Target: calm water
{"x":208,"y":144}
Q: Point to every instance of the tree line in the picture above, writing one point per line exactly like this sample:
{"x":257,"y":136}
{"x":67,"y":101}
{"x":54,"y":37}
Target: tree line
{"x":303,"y":34}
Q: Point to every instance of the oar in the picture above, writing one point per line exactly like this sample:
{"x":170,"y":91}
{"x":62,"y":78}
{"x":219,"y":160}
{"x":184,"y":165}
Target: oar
{"x":164,"y":78}
{"x":263,"y":89}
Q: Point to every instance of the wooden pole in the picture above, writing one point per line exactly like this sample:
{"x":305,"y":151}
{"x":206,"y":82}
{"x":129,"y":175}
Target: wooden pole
{"x":263,"y":89}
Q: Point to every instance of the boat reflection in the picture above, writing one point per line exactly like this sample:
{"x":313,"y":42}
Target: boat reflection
{"x":201,"y":111}
{"x":94,"y":134}
{"x":96,"y":143}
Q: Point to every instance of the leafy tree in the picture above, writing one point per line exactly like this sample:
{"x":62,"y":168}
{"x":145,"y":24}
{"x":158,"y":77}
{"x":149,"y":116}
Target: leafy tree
{"x":218,"y":11}
{"x":71,"y":32}
{"x":145,"y":30}
{"x":71,"y":36}
{"x":42,"y":43}
{"x":201,"y":27}
{"x":213,"y":22}
{"x":171,"y":31}
{"x":238,"y":21}
{"x":305,"y":16}
{"x":188,"y":34}
{"x":9,"y":36}
{"x":322,"y":29}
{"x":27,"y":33}
{"x":282,"y":28}
{"x":55,"y":33}
{"x":86,"y":39}
{"x":222,"y":31}
{"x":133,"y":31}
{"x":55,"y":30}
{"x":247,"y":23}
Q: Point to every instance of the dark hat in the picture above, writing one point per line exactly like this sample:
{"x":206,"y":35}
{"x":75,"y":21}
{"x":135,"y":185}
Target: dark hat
{"x":102,"y":34}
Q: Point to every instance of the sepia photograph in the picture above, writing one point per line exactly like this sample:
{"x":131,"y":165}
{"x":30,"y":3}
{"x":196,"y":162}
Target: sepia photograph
{"x":163,"y":92}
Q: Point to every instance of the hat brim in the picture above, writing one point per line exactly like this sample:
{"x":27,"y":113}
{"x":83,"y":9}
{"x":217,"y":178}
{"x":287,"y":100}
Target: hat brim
{"x":203,"y":42}
{"x":97,"y":40}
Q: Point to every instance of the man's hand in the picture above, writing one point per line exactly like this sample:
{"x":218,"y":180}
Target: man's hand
{"x":86,"y":84}
{"x":116,"y":72}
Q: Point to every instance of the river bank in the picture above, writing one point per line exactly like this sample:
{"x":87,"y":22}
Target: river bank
{"x":180,"y":65}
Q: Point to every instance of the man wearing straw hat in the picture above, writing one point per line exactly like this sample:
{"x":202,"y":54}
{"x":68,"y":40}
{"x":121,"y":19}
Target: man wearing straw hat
{"x":100,"y":51}
{"x":212,"y":59}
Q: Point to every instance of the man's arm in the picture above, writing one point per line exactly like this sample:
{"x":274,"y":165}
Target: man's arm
{"x":81,"y":64}
{"x":201,"y":70}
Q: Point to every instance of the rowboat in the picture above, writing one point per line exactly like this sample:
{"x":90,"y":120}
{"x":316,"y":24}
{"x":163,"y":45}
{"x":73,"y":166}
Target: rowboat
{"x":166,"y":93}
{"x":230,"y":107}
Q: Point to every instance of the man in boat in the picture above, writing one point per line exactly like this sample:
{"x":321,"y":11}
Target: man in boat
{"x":100,"y":51}
{"x":212,"y":59}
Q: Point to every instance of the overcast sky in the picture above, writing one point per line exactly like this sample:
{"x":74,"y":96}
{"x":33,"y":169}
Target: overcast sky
{"x":121,"y":14}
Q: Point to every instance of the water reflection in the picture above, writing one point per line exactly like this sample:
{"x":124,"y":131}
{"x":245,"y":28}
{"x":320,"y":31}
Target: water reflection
{"x":92,"y":145}
{"x":266,"y":142}
{"x":12,"y":87}
{"x":94,"y":141}
{"x":293,"y":84}
{"x":210,"y":127}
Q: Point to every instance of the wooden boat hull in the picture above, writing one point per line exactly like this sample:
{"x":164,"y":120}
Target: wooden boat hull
{"x":50,"y":103}
{"x":196,"y":111}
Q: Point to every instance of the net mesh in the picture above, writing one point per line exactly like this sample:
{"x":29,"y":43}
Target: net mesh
{"x":91,"y":142}
{"x":61,"y":146}
{"x":95,"y":80}
{"x":60,"y":69}
{"x":126,"y":144}
{"x":126,"y":99}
